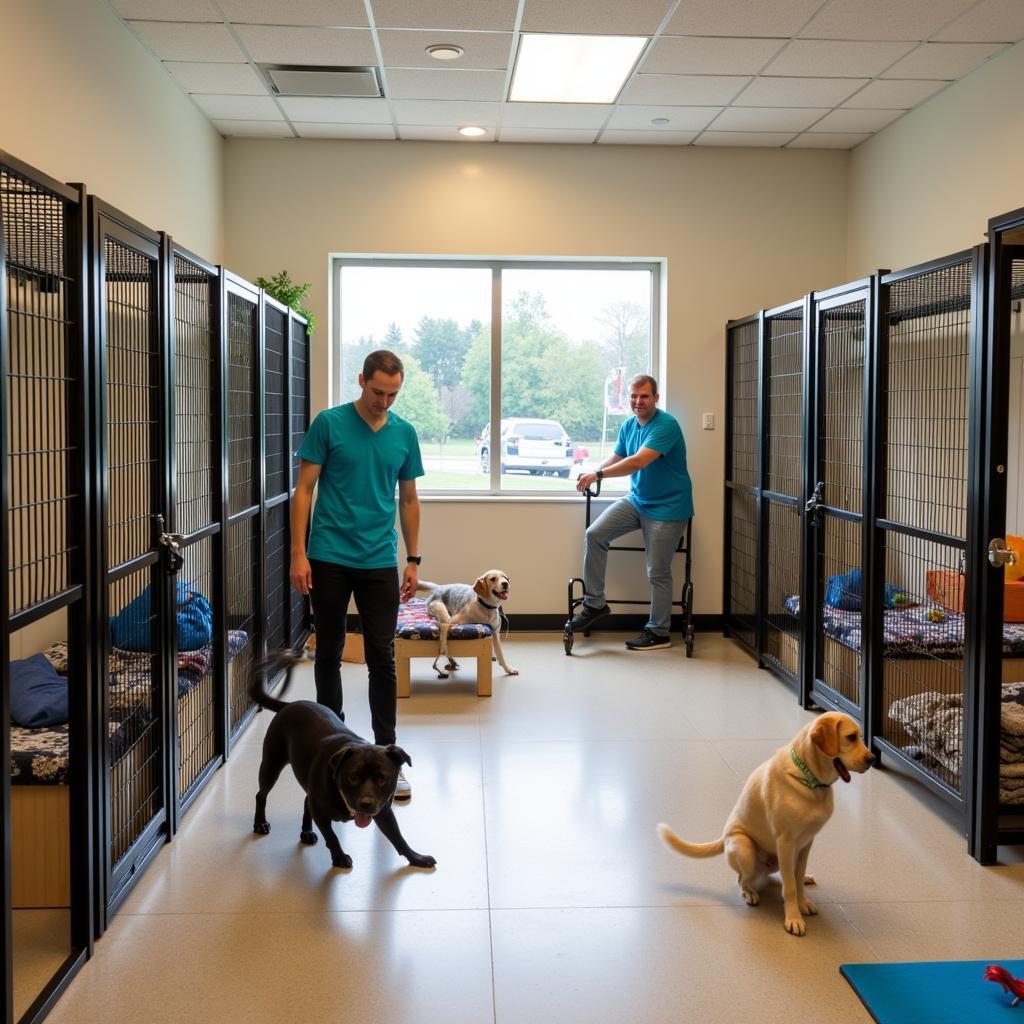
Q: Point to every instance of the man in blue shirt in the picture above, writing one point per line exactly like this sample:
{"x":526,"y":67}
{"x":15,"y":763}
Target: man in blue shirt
{"x":355,"y":454}
{"x":651,"y":450}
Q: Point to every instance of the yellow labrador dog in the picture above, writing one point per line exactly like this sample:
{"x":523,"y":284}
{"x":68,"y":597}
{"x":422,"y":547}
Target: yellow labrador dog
{"x":784,"y":804}
{"x":453,"y":604}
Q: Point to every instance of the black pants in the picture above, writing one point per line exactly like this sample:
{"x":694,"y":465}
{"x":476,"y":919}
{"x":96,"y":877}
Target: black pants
{"x":377,"y":598}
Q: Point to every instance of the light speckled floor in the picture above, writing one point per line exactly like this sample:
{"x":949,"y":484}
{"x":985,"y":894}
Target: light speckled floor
{"x":553,"y":899}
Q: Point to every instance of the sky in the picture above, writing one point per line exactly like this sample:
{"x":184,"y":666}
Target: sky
{"x":373,"y":297}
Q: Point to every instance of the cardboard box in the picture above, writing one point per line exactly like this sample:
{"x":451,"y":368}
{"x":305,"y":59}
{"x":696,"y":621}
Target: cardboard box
{"x":946,"y":588}
{"x":353,"y":651}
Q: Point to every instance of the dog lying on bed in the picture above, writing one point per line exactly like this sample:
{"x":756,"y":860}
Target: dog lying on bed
{"x":784,"y":804}
{"x":345,"y":777}
{"x":453,"y":604}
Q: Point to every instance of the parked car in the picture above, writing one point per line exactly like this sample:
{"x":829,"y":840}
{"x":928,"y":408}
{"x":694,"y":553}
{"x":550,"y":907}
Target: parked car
{"x":535,"y":446}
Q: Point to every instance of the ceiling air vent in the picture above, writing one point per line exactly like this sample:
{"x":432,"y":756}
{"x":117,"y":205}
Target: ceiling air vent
{"x":306,"y":80}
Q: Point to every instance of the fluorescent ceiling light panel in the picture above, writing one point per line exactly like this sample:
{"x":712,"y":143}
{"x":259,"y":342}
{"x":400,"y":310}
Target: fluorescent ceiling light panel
{"x":572,"y":68}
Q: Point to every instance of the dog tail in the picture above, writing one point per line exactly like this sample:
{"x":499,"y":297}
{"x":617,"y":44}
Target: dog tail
{"x":673,"y":842}
{"x":424,"y":585}
{"x":283,"y":659}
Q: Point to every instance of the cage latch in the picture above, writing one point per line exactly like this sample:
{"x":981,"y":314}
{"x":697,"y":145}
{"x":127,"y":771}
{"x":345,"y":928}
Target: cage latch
{"x":814,"y":503}
{"x":173,"y":543}
{"x":999,"y":554}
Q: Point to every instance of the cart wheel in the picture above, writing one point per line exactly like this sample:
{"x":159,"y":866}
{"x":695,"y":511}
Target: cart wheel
{"x":567,"y":637}
{"x":689,"y":641}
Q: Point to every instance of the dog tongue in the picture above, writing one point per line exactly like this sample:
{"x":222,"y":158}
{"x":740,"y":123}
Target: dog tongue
{"x":503,"y":595}
{"x":841,"y":768}
{"x":362,"y":820}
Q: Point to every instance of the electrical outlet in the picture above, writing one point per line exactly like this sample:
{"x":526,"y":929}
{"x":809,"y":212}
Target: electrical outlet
{"x":709,"y":421}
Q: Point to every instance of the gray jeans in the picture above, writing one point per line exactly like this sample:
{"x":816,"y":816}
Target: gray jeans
{"x":661,"y":536}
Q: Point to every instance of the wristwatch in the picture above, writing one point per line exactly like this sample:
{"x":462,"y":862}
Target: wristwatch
{"x":415,"y":558}
{"x":599,"y":474}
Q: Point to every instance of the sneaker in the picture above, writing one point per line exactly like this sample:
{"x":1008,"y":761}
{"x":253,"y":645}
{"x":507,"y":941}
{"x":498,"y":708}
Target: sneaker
{"x":587,"y":616}
{"x":403,"y":791}
{"x":648,"y":641}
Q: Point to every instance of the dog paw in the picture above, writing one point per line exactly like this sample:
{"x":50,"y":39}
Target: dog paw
{"x":809,"y":880}
{"x":796,"y":926}
{"x":452,"y":666}
{"x":511,"y":671}
{"x":261,"y":828}
{"x":344,"y":861}
{"x":752,"y":898}
{"x":309,"y":838}
{"x":808,"y":908}
{"x":422,"y":860}
{"x":442,"y":675}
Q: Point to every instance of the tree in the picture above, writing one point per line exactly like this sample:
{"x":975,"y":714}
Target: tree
{"x":352,"y":356}
{"x":393,"y":339}
{"x":417,"y":402}
{"x":627,"y":341}
{"x":440,"y":347}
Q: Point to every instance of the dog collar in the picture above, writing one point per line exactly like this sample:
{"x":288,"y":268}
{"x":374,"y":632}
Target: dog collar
{"x":492,"y":607}
{"x":806,"y":776}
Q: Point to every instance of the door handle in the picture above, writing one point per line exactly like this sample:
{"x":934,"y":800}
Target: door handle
{"x":999,"y":555}
{"x":813,"y":504}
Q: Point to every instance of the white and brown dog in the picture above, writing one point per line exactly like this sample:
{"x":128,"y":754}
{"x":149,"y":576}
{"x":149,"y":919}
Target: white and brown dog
{"x":455,"y":604}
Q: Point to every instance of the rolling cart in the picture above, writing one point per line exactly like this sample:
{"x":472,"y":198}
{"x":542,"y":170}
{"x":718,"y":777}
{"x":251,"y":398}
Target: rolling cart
{"x":685,"y":602}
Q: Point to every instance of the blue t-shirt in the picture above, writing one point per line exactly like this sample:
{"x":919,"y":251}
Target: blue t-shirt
{"x":661,"y":490}
{"x":354,"y":515}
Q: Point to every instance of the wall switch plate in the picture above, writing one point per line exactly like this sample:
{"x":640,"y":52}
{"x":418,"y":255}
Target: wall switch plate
{"x":709,"y":421}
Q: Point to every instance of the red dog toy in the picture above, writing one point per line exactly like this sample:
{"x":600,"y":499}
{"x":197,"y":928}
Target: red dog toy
{"x":1015,"y":986}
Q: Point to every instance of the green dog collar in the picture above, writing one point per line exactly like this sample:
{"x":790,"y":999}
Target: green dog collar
{"x":807,"y":777}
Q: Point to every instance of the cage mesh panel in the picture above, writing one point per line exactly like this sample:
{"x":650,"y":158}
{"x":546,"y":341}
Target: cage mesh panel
{"x":133,"y":716}
{"x":196,"y":690}
{"x":43,"y":501}
{"x":841,"y":350}
{"x":195,"y":397}
{"x":276,"y":568}
{"x":840,"y":553}
{"x":298,"y":617}
{"x":927,"y":387}
{"x":782,"y":628}
{"x":241,"y":602}
{"x":243,"y":405}
{"x":743,"y":388}
{"x":133,"y":401}
{"x":274,"y":384}
{"x":300,"y":383}
{"x":743,"y":565}
{"x":784,"y":396}
{"x":923,"y":680}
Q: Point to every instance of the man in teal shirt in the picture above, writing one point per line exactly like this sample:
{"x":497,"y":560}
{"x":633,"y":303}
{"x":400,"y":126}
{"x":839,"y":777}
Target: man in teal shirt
{"x":355,"y":454}
{"x":651,"y":450}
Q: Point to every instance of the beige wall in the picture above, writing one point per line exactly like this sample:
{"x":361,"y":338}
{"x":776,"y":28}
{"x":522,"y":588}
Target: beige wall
{"x":83,"y":101}
{"x":740,"y":229}
{"x":927,"y":185}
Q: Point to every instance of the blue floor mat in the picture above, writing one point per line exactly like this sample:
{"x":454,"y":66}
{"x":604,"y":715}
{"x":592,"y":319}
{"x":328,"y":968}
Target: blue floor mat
{"x":941,"y":992}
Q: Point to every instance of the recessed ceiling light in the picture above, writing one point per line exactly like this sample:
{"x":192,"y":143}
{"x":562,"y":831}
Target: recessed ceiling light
{"x":445,"y":51}
{"x":573,"y":68}
{"x":472,"y":131}
{"x":659,"y":120}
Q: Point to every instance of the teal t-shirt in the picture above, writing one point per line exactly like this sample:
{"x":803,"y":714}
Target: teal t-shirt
{"x":354,"y":515}
{"x":661,"y":490}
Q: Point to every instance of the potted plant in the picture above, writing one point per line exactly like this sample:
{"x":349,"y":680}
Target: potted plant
{"x":291,"y":294}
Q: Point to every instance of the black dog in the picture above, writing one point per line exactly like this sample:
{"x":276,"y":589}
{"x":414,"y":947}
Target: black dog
{"x":345,"y":778}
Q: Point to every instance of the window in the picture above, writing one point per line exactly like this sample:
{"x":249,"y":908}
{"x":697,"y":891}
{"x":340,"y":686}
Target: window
{"x":567,"y":339}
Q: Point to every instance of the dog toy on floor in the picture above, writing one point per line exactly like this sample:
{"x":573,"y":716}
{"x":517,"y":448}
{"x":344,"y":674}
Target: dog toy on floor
{"x":1015,"y":986}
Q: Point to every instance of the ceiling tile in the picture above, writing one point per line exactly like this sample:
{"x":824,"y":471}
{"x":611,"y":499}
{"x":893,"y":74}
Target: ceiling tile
{"x":424,"y":84}
{"x":554,"y":115}
{"x":828,"y":58}
{"x":409,"y":49}
{"x":943,"y":60}
{"x":994,"y":21}
{"x":441,"y":112}
{"x":225,"y":79}
{"x":857,"y":120}
{"x":679,"y":119}
{"x":471,"y":15}
{"x":597,"y":17}
{"x":763,"y":139}
{"x":330,"y":46}
{"x":557,"y":135}
{"x":343,"y":131}
{"x":883,"y":19}
{"x":798,"y":92}
{"x":683,"y":90}
{"x":255,"y":129}
{"x":336,"y":109}
{"x":158,"y":10}
{"x":780,"y":18}
{"x":238,"y":108}
{"x":637,"y":138}
{"x":827,"y":140}
{"x":768,"y":119}
{"x":894,"y":94}
{"x":439,"y":133}
{"x":334,"y":13}
{"x":180,"y":41}
{"x":681,"y":55}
